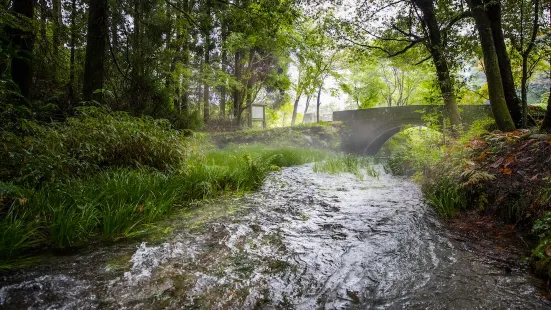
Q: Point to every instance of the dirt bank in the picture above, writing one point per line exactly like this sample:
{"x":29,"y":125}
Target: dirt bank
{"x":509,"y":183}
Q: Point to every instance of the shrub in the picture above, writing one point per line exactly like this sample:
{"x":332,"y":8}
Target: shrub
{"x":92,"y":140}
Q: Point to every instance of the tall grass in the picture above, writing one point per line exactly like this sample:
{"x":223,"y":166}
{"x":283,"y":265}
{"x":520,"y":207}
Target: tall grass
{"x":124,"y":202}
{"x":342,"y":163}
{"x":445,"y":196}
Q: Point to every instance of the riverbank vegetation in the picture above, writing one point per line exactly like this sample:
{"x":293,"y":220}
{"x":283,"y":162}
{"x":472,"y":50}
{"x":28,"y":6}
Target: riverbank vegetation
{"x":104,"y":176}
{"x":502,"y":175}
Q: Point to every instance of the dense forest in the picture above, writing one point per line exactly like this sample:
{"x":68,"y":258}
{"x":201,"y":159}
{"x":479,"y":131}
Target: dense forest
{"x":117,"y":116}
{"x":206,"y":62}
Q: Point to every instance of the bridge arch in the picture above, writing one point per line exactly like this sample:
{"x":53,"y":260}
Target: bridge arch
{"x":367,"y":130}
{"x":387,"y":132}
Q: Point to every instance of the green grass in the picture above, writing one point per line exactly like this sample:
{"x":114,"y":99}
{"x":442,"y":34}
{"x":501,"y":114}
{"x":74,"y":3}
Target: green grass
{"x":445,"y":196}
{"x":123,"y":202}
{"x":359,"y":166}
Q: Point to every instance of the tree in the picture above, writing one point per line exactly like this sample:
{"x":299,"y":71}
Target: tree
{"x":491,"y":65}
{"x":310,"y":47}
{"x":522,"y":30}
{"x":23,"y":42}
{"x":546,"y":125}
{"x":494,"y":14}
{"x":413,"y":24}
{"x":436,"y":49}
{"x":95,"y":50}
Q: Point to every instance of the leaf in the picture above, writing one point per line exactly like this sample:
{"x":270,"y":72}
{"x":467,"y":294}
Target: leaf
{"x":498,"y":163}
{"x":506,"y":171}
{"x":510,"y":160}
{"x":482,"y":156}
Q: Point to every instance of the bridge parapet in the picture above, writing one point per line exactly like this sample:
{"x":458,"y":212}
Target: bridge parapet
{"x":368,"y":129}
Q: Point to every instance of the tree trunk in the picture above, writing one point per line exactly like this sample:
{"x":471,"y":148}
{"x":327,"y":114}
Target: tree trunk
{"x":43,"y":11}
{"x":224,"y":66}
{"x":491,"y":64}
{"x":546,"y":125}
{"x":318,"y":103}
{"x":57,"y":29}
{"x":524,"y":90}
{"x":170,"y":79}
{"x":188,"y":5}
{"x":436,"y":49}
{"x":525,"y":56}
{"x":206,"y":66}
{"x":73,"y":47}
{"x":95,"y":50}
{"x":23,"y":42}
{"x":509,"y":89}
{"x":308,"y":98}
{"x":206,"y":90}
{"x":295,"y":108}
{"x":185,"y":85}
{"x":236,"y":92}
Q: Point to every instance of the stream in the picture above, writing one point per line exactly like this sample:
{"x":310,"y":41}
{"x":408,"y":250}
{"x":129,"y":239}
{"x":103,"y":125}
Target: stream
{"x":306,"y":240}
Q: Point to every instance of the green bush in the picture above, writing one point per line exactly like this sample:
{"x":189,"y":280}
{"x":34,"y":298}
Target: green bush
{"x":92,"y":140}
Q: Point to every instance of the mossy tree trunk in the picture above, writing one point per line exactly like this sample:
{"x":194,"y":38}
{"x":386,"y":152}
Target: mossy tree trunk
{"x":491,"y":63}
{"x":96,"y":39}
{"x":436,"y":48}
{"x":546,"y":125}
{"x":509,"y":89}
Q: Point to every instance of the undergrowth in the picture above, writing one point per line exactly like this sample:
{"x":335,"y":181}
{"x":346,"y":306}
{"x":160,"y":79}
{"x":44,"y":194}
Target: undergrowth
{"x":107,"y":176}
{"x":436,"y":161}
{"x":502,"y":175}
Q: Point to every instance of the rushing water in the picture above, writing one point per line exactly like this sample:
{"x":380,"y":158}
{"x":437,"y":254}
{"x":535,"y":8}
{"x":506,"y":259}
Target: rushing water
{"x":304,"y":241}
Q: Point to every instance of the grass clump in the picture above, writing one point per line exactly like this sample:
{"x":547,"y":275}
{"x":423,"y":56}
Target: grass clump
{"x":241,"y":168}
{"x":344,"y":163}
{"x":445,"y":196}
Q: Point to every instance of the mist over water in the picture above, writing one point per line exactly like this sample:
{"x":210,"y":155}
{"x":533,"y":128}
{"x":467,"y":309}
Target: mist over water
{"x":304,"y":241}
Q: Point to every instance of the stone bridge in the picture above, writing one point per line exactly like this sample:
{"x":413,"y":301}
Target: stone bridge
{"x":368,"y":129}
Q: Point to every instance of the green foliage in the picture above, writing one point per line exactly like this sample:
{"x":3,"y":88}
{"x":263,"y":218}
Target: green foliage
{"x":426,"y":153}
{"x":445,"y":196}
{"x":241,"y":168}
{"x":91,"y":141}
{"x":358,"y":166}
{"x":316,"y":135}
{"x":541,"y":254}
{"x":124,"y":198}
{"x":413,"y":150}
{"x":479,"y":128}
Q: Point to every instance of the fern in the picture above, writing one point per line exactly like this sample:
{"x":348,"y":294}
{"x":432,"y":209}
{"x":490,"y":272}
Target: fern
{"x":474,"y":178}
